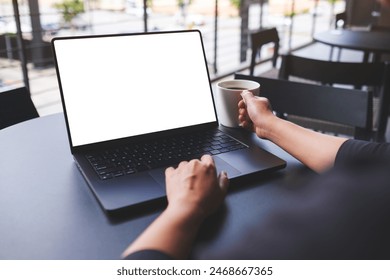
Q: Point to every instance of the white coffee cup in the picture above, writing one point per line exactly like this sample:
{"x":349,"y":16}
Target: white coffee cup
{"x":227,"y":97}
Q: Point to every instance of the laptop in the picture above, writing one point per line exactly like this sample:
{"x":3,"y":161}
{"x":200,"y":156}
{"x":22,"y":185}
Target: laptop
{"x":126,"y":97}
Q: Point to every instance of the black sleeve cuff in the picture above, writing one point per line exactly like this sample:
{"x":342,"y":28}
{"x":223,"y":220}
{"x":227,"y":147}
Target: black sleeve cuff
{"x":148,"y":255}
{"x":352,"y":150}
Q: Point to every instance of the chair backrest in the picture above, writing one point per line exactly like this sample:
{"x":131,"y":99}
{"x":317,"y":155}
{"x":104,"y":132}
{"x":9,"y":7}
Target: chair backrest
{"x":348,"y":107}
{"x":340,"y":20}
{"x":375,"y":75}
{"x":260,"y":38}
{"x":16,"y":106}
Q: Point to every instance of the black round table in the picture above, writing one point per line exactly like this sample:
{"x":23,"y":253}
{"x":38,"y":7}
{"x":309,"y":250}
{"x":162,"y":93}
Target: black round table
{"x":376,"y":42}
{"x":48,"y":211}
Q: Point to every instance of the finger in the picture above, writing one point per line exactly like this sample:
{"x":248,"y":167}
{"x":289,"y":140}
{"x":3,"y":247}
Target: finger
{"x":243,"y":117}
{"x":182,"y":164}
{"x":242,"y":111}
{"x":169,"y":171}
{"x":207,"y":159}
{"x":223,"y":181}
{"x":246,"y":96}
{"x":241,"y":104}
{"x":247,"y":125}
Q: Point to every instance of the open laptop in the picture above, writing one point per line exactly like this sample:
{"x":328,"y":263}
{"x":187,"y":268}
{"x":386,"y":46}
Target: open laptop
{"x":126,"y":96}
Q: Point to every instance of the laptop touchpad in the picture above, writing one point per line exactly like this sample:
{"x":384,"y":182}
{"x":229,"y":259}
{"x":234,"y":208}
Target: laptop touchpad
{"x":159,"y":174}
{"x":224,"y":166}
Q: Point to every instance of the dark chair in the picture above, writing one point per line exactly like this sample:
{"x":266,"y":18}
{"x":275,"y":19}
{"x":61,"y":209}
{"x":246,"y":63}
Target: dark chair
{"x":16,"y":106}
{"x":319,"y":102}
{"x":376,"y":57}
{"x":258,"y":40}
{"x":340,"y":20}
{"x":373,"y":76}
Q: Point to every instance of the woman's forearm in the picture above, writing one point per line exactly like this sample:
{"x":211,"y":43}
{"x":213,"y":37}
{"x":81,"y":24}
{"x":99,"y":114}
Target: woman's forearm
{"x":171,"y":233}
{"x":315,"y":150}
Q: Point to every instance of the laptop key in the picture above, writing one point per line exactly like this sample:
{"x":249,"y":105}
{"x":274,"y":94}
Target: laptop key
{"x":130,"y":171}
{"x":141,"y":168}
{"x":106,"y":176}
{"x":216,"y":147}
{"x":215,"y":152}
{"x":226,"y":145}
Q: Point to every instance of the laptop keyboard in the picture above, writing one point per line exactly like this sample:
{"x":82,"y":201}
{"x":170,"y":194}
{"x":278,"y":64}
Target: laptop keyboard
{"x":164,"y":152}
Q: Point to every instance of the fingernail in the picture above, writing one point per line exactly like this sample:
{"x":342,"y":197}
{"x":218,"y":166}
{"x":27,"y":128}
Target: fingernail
{"x":223,"y":180}
{"x":244,"y":91}
{"x":242,"y":95}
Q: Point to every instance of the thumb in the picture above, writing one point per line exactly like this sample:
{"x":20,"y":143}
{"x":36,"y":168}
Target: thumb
{"x":223,"y":181}
{"x":247,"y":96}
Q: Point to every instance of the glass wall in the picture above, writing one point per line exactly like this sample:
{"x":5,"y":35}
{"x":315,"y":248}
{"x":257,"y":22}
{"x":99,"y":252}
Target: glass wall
{"x":25,"y":57}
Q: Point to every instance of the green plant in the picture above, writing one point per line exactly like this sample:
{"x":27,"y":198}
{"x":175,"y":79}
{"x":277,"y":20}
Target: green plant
{"x":236,"y":3}
{"x":181,"y":3}
{"x":70,"y":9}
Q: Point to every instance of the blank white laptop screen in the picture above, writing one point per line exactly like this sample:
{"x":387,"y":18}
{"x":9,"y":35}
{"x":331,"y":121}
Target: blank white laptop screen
{"x":121,"y":86}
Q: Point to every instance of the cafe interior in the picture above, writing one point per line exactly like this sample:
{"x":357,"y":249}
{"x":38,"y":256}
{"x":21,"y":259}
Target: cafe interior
{"x":252,"y":38}
{"x":331,"y":57}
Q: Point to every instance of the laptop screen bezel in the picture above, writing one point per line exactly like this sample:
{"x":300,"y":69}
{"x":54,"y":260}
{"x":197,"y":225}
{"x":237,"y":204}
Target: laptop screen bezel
{"x":138,"y":138}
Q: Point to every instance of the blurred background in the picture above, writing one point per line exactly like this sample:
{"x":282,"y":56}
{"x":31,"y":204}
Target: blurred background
{"x":27,"y":26}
